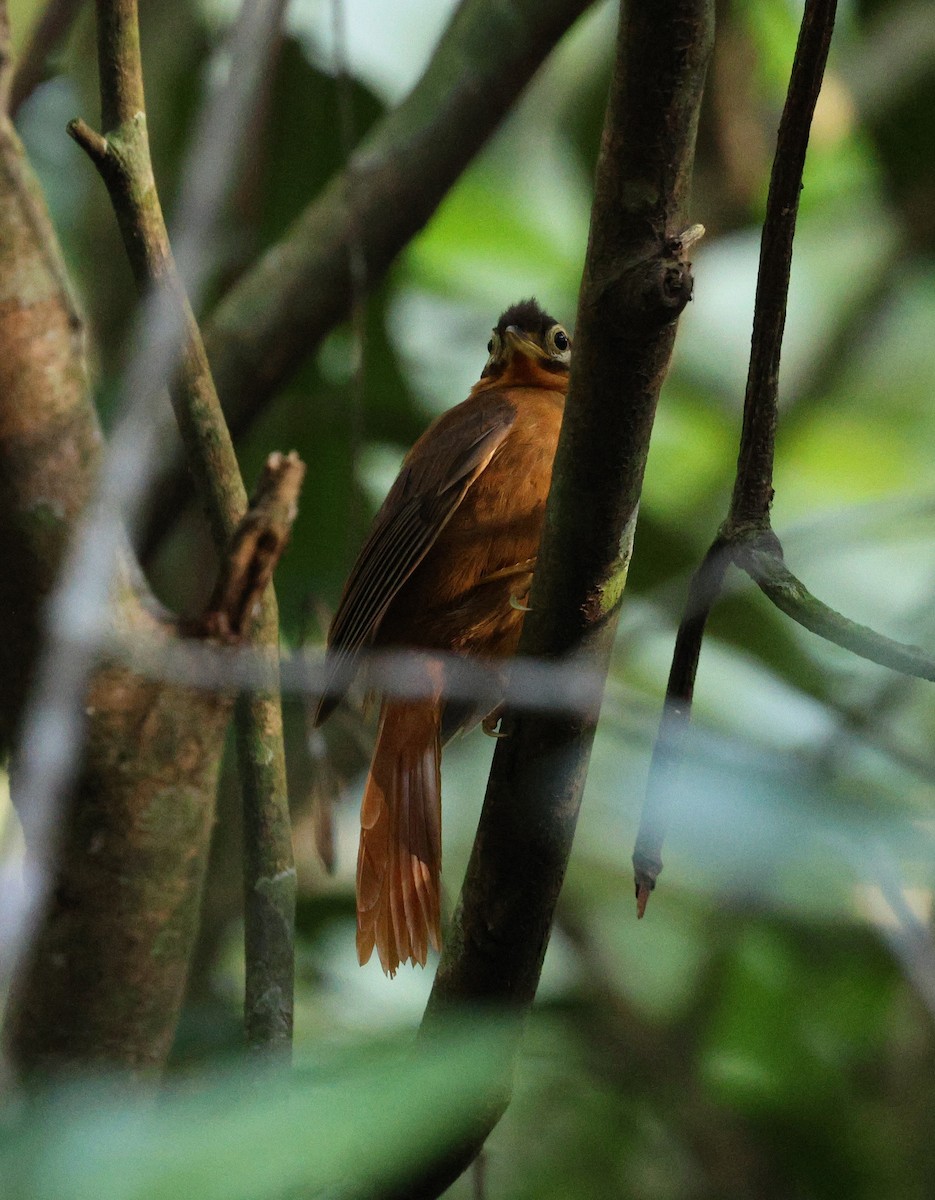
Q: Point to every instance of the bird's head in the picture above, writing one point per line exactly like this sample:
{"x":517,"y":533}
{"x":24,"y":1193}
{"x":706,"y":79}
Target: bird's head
{"x":527,"y":348}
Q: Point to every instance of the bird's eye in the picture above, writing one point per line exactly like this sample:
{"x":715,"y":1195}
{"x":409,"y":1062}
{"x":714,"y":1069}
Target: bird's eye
{"x":560,"y":340}
{"x":490,"y":346}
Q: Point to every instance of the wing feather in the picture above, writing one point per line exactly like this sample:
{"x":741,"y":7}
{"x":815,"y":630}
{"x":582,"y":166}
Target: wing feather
{"x":432,"y":483}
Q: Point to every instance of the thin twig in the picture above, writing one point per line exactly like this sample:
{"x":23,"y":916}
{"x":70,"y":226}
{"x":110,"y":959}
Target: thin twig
{"x":269,"y":868}
{"x":703,"y":592}
{"x":122,"y":157}
{"x":753,"y":485}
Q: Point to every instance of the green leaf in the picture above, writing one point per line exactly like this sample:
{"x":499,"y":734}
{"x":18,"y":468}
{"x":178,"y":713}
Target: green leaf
{"x":357,"y":1119}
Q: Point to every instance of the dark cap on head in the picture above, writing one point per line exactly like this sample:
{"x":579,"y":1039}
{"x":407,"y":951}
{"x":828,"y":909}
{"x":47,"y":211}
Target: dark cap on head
{"x":528,"y":316}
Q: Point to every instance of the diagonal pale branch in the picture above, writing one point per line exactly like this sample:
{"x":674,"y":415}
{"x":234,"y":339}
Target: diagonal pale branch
{"x":768,"y":571}
{"x":122,"y":158}
{"x":281,"y":309}
{"x":636,"y":282}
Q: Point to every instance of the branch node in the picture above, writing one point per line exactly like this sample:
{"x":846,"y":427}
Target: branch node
{"x":255,"y":548}
{"x":651,"y":291}
{"x":94,"y":144}
{"x":677,"y":285}
{"x":684,"y":241}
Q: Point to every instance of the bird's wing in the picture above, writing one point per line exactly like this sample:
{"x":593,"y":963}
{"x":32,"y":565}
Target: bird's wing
{"x":434,"y":478}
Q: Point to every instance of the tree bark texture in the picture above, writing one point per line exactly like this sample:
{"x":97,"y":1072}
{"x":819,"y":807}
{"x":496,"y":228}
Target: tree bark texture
{"x":105,"y":974}
{"x":50,"y":440}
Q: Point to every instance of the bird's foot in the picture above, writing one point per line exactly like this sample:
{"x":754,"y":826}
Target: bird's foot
{"x":491,"y":721}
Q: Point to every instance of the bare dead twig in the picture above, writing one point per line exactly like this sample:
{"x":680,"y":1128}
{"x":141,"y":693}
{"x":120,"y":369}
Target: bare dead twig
{"x":255,"y":548}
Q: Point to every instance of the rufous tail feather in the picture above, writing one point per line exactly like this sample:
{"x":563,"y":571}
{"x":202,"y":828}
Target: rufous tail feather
{"x":399,"y":859}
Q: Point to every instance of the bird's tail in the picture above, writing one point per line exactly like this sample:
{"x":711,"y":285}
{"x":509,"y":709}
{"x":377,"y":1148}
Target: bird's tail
{"x":399,"y":860}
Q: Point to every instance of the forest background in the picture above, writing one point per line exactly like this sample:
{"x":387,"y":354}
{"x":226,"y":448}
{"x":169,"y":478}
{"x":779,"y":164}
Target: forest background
{"x":767,"y":1029}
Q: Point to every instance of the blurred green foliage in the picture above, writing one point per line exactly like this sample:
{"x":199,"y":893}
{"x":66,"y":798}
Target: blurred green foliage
{"x":355,"y":1117}
{"x":767,"y":1030}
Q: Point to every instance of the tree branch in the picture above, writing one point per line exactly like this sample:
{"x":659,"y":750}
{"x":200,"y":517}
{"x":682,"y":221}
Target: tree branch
{"x":255,"y":548}
{"x":6,"y":57}
{"x":122,"y":158}
{"x":703,"y":593}
{"x":636,"y":282}
{"x":767,"y":569}
{"x":102,"y":976}
{"x":49,"y":435}
{"x":269,"y":869}
{"x":281,"y":309}
{"x":49,"y":33}
{"x":101,"y":958}
{"x":753,"y":484}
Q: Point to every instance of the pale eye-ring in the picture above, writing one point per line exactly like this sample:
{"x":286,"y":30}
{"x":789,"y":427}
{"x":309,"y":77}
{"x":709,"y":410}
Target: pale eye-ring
{"x":559,"y":341}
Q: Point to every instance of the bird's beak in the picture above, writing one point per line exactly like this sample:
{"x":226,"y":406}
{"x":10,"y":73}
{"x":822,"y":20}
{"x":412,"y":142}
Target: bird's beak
{"x":518,"y":342}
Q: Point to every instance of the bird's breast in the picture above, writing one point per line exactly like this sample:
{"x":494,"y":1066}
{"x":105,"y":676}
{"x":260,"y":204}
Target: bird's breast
{"x":467,"y":593}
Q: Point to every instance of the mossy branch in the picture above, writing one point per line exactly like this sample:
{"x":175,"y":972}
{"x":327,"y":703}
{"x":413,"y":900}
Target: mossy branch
{"x":122,"y":157}
{"x":98,"y":930}
{"x":774,"y":579}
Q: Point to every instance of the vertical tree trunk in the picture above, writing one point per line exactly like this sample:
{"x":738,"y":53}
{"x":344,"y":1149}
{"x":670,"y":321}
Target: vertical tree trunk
{"x":105,"y":975}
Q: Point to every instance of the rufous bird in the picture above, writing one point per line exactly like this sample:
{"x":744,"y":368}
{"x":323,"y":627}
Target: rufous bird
{"x":447,"y":566}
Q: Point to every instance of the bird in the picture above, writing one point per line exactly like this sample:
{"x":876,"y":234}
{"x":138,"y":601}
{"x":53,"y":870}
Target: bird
{"x":446,"y":566}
